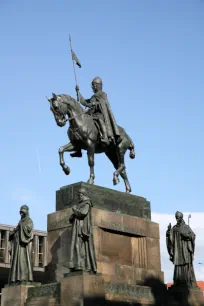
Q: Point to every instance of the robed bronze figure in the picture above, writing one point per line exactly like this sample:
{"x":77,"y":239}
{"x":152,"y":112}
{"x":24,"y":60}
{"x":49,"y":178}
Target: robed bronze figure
{"x":82,"y":252}
{"x":180,"y":240}
{"x":21,"y":249}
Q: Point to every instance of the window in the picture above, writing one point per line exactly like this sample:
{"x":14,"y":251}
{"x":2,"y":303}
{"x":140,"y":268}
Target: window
{"x":41,"y":251}
{"x":2,"y":245}
{"x":9,"y":251}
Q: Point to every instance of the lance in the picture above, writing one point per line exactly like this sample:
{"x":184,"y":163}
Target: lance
{"x":75,"y":59}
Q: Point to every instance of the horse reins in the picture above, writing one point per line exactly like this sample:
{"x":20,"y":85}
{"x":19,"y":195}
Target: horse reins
{"x":73,"y":117}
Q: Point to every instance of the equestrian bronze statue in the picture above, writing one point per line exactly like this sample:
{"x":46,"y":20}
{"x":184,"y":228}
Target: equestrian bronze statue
{"x":93,"y":129}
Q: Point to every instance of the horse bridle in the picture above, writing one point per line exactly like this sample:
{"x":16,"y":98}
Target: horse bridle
{"x":73,"y":117}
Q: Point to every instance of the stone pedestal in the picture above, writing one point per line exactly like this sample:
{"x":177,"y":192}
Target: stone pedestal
{"x":105,"y":199}
{"x":126,"y":246}
{"x":82,"y":289}
{"x":15,"y":295}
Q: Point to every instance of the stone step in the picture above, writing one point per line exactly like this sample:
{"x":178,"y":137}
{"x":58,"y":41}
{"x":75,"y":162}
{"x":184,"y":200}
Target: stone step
{"x":42,"y":301}
{"x":118,"y":291}
{"x":44,"y":295}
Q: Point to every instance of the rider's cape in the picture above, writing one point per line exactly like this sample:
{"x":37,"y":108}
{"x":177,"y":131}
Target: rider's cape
{"x":111,"y":126}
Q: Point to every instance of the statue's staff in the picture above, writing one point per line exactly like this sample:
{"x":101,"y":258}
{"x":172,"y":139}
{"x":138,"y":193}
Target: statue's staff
{"x":75,"y":59}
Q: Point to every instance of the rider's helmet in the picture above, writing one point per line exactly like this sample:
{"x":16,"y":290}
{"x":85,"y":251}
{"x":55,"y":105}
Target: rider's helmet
{"x":97,"y":83}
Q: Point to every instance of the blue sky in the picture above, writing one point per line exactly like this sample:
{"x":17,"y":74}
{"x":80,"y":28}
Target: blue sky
{"x":150,"y":57}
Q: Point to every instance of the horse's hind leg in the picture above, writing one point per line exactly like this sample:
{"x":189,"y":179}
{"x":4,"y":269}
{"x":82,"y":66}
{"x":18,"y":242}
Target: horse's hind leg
{"x":66,"y":148}
{"x":121,"y":170}
{"x":90,"y":154}
{"x":120,"y":149}
{"x":114,"y":159}
{"x":126,"y":181}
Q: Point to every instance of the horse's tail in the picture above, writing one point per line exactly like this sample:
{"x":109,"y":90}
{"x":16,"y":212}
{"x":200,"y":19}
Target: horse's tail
{"x":131,"y":148}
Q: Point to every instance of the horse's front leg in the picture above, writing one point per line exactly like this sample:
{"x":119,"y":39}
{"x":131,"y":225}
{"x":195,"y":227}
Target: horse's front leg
{"x":66,"y":148}
{"x":90,"y":154}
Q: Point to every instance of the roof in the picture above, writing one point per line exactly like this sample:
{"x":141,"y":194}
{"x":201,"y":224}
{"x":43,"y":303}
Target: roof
{"x":201,"y":284}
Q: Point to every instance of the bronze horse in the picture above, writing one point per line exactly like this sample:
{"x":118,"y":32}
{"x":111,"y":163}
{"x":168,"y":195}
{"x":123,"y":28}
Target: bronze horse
{"x":84,"y":134}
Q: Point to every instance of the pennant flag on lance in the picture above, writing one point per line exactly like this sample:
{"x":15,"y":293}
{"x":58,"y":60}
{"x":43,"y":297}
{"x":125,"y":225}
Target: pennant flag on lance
{"x":75,"y":58}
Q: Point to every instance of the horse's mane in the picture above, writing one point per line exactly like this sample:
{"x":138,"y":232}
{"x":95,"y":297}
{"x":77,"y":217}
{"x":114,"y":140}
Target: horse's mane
{"x":69,"y":100}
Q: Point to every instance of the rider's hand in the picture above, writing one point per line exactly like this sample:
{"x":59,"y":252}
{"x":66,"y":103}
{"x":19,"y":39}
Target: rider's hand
{"x":77,"y":88}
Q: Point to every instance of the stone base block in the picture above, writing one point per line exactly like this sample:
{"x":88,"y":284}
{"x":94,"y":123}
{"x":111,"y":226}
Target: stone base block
{"x":104,"y":198}
{"x":126,"y":247}
{"x":77,"y":289}
{"x":15,"y":295}
{"x":45,"y":295}
{"x":186,"y":296}
{"x":89,"y":290}
{"x":125,"y":294}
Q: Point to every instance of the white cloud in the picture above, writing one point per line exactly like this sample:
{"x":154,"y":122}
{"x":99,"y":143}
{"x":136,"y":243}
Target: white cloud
{"x":197,"y":225}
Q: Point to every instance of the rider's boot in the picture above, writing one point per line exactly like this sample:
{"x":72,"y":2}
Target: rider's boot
{"x":76,"y":154}
{"x":104,"y":138}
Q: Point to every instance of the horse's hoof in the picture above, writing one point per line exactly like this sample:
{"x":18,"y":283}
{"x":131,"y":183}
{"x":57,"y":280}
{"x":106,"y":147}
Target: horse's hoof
{"x":66,"y":170}
{"x":116,"y":181}
{"x":90,"y":181}
{"x":132,"y":154}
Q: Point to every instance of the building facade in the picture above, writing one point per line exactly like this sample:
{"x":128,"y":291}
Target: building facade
{"x":39,"y":254}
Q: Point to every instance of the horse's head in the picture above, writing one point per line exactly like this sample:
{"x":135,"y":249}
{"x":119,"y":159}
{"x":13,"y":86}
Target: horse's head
{"x":62,"y":105}
{"x":59,"y":109}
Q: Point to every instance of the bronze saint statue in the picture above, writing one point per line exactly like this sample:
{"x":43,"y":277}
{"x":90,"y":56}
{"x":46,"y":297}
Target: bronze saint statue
{"x":180,"y":240}
{"x":82,"y":252}
{"x":21,"y":250}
